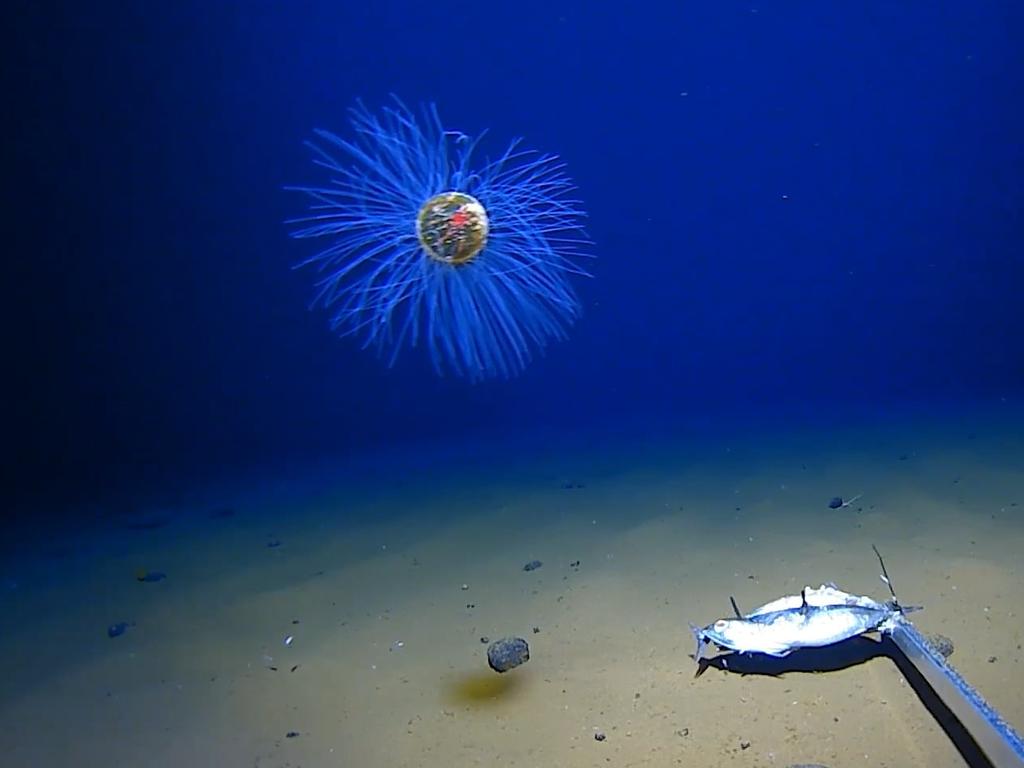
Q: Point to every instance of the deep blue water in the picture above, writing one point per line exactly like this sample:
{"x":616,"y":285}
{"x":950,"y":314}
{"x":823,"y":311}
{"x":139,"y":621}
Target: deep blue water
{"x":808,"y":209}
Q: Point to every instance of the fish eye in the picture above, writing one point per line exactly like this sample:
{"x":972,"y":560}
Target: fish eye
{"x":720,"y":625}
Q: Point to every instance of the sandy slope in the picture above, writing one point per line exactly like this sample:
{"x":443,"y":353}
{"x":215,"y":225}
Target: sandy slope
{"x":389,"y":666}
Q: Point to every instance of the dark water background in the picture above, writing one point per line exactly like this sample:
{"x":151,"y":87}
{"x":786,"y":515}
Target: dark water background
{"x":804,"y":208}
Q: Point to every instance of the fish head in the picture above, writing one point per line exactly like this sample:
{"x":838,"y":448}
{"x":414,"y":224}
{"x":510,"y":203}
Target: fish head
{"x":720,"y":632}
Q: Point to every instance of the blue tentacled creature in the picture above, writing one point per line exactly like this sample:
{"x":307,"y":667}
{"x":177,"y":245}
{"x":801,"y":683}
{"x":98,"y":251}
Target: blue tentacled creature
{"x":474,"y":263}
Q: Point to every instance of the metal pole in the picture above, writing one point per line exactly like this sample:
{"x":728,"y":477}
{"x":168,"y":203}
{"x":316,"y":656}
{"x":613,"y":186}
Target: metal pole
{"x":1001,"y":744}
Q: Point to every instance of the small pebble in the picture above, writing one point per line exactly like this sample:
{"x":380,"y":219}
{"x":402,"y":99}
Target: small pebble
{"x":507,"y":653}
{"x":532,"y":565}
{"x":289,"y":640}
{"x":291,"y":734}
{"x":940,"y":643}
{"x":485,"y":639}
{"x":744,"y":745}
{"x":118,"y":629}
{"x":599,"y":736}
{"x":836,"y":502}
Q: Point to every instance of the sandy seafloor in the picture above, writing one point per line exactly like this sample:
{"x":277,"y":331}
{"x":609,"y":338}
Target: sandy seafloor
{"x":387,"y":667}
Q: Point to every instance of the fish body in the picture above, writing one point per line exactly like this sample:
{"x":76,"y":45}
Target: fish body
{"x":824,"y":596}
{"x":777,"y":633}
{"x":812,"y":619}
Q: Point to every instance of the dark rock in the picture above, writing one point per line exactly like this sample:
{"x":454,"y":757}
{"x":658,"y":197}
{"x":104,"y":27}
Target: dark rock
{"x":599,"y":736}
{"x":941,"y":644}
{"x":836,"y":502}
{"x":118,"y":629}
{"x":507,"y":653}
{"x":533,"y":565}
{"x":291,"y":734}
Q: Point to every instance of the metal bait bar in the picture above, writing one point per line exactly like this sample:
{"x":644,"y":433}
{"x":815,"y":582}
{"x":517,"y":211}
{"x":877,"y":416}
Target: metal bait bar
{"x":1001,"y":744}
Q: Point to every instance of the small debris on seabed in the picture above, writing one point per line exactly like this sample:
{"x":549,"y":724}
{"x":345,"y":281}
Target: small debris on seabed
{"x":533,"y":565}
{"x":485,"y":639}
{"x":291,"y":734}
{"x":507,"y":653}
{"x":744,"y":744}
{"x":118,"y":629}
{"x":941,"y":644}
{"x":599,"y":736}
{"x":837,"y":501}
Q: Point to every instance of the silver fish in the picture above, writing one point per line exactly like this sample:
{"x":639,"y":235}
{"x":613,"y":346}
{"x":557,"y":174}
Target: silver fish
{"x":812,"y":619}
{"x":779,"y":632}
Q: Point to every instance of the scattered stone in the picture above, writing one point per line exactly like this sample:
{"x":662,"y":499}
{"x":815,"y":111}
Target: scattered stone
{"x":683,"y":732}
{"x":536,"y":630}
{"x":744,"y":745}
{"x":143,"y":575}
{"x":465,"y":587}
{"x":993,"y":659}
{"x":599,"y":736}
{"x":575,"y":565}
{"x":940,"y":644}
{"x":507,"y":653}
{"x":291,"y":734}
{"x":118,"y":629}
{"x":533,"y":565}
